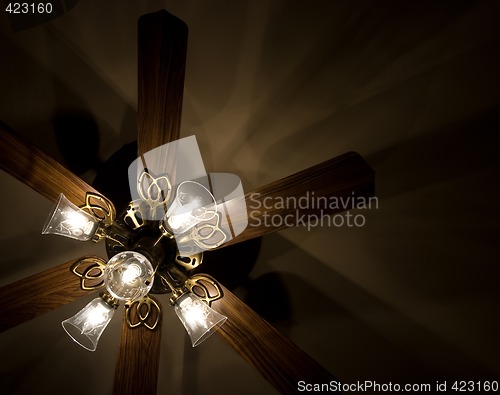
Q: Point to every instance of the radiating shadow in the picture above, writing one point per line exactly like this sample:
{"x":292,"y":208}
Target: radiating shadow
{"x":338,"y":68}
{"x":453,"y":150}
{"x":344,"y":325}
{"x":58,"y":78}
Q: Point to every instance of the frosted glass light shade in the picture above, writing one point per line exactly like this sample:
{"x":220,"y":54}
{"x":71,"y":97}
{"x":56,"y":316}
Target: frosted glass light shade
{"x":199,"y":319}
{"x":68,"y":220}
{"x":128,"y":275}
{"x":87,"y":326}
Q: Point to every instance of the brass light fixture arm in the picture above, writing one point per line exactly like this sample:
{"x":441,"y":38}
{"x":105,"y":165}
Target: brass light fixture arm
{"x":177,"y":292}
{"x":202,"y":285}
{"x":103,"y":210}
{"x":110,"y":300}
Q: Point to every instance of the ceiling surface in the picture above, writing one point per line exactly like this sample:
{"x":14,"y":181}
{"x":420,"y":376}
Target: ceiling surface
{"x":273,"y":87}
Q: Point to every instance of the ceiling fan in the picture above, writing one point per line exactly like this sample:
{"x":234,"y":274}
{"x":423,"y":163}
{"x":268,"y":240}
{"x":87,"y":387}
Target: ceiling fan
{"x":162,"y":48}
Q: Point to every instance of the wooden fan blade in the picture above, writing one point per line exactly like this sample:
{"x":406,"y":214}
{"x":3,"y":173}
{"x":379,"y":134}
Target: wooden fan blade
{"x":138,"y":360}
{"x":39,"y":171}
{"x":162,"y":49}
{"x":277,"y":358}
{"x":38,"y":294}
{"x":307,"y":194}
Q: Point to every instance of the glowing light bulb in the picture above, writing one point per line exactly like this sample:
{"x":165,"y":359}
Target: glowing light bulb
{"x":95,"y":318}
{"x":131,"y":273}
{"x":128,"y":275}
{"x":179,"y":220}
{"x":77,"y":223}
{"x":193,"y":312}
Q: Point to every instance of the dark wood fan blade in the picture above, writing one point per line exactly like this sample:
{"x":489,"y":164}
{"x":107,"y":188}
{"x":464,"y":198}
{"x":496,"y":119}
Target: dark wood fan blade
{"x":39,"y":171}
{"x":138,"y":360}
{"x":277,"y":358}
{"x":307,"y":194}
{"x":162,"y":48}
{"x":38,"y":294}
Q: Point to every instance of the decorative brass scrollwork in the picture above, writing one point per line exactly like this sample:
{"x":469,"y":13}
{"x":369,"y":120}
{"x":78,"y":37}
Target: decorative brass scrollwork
{"x":154,"y":191}
{"x":203,"y":236}
{"x":135,"y":215}
{"x":90,"y":269}
{"x":100,"y":208}
{"x":189,"y":262}
{"x":145,"y":311}
{"x":205,"y":287}
{"x":207,"y":235}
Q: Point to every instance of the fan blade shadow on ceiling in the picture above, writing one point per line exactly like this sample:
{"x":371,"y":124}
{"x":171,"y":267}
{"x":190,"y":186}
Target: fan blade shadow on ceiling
{"x":232,"y":265}
{"x":22,"y":21}
{"x":77,"y":137}
{"x":471,"y":145}
{"x":352,"y":324}
{"x":269,"y":297}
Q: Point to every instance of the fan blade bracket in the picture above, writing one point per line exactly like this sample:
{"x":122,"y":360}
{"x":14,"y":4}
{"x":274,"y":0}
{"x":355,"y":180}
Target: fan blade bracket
{"x":145,"y":311}
{"x":138,"y":359}
{"x":90,"y":270}
{"x":205,"y":287}
{"x":101,"y":208}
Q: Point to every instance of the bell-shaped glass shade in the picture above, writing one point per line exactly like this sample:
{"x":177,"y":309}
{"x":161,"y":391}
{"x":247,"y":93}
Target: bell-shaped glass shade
{"x":86,"y":326}
{"x":193,"y":204}
{"x":199,"y":319}
{"x":68,"y":220}
{"x":128,"y":275}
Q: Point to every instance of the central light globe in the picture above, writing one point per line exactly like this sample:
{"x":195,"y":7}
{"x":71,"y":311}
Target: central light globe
{"x":128,"y":276}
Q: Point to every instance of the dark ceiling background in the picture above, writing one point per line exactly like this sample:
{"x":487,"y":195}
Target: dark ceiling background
{"x":273,"y":87}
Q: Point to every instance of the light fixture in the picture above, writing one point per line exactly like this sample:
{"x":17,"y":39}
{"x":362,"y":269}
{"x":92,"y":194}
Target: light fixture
{"x":199,"y":319}
{"x":149,"y":253}
{"x":193,"y":204}
{"x":87,"y":326}
{"x":68,"y":220}
{"x":128,"y":276}
{"x":194,"y":311}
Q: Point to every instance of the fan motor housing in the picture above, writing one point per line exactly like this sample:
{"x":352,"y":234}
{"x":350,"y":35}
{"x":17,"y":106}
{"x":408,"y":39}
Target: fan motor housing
{"x":156,"y":245}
